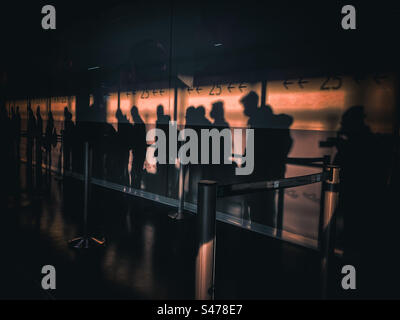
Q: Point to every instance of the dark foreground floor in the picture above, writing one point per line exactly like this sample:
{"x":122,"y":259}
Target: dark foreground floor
{"x":147,"y":256}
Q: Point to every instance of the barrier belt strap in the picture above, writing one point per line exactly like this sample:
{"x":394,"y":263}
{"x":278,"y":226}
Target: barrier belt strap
{"x":250,"y":187}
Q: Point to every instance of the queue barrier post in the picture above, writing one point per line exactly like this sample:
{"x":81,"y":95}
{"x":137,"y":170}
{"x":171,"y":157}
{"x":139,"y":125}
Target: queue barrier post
{"x":281,"y":192}
{"x":206,"y":227}
{"x":330,"y":203}
{"x":60,"y":172}
{"x":178,"y":215}
{"x":86,"y":241}
{"x":280,"y":210}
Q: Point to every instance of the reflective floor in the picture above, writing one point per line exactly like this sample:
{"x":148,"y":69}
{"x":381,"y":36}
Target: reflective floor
{"x":146,"y":256}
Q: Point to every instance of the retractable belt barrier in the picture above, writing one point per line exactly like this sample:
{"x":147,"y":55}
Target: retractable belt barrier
{"x":309,"y":162}
{"x":250,"y":187}
{"x":59,"y":139}
{"x":209,"y":192}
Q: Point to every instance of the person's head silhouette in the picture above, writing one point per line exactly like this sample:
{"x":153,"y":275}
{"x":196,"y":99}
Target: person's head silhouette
{"x":217,"y":111}
{"x":160,"y":111}
{"x":190,"y":115}
{"x":67,"y":114}
{"x":38,"y":112}
{"x":135,"y":115}
{"x":134,"y":111}
{"x":31,"y":116}
{"x":201,"y":112}
{"x":250,"y":103}
{"x":353,"y":121}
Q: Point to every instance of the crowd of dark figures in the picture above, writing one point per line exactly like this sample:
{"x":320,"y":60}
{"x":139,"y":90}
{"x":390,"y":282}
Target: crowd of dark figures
{"x":365,"y":158}
{"x":39,"y":140}
{"x":118,"y":155}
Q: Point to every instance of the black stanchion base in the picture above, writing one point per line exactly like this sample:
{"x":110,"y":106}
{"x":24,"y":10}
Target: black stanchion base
{"x":176,"y":215}
{"x":86,"y":243}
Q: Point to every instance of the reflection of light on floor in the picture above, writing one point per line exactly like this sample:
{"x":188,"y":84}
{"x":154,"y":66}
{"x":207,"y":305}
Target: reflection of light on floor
{"x":54,"y":225}
{"x":121,"y":268}
{"x":142,"y":277}
{"x":204,"y":270}
{"x":50,"y":222}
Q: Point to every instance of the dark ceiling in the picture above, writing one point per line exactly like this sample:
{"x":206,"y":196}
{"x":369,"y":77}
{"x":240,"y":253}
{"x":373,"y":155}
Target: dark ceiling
{"x":207,"y":37}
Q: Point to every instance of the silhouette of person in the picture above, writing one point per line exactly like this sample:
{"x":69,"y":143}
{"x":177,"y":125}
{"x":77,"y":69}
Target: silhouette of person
{"x":162,"y":123}
{"x":272,"y":143}
{"x":7,"y":134}
{"x":190,"y":117}
{"x":17,"y":126}
{"x":223,"y":170}
{"x":123,"y":135}
{"x":139,"y":147}
{"x":189,"y":169}
{"x":11,"y":121}
{"x":31,"y":131}
{"x":100,"y":132}
{"x":39,"y":141}
{"x":200,"y":117}
{"x":162,"y":119}
{"x":195,"y":119}
{"x":202,"y":123}
{"x":361,"y":157}
{"x":217,"y":113}
{"x":50,"y":140}
{"x":110,"y":152}
{"x":13,"y":131}
{"x":7,"y":156}
{"x":68,"y":134}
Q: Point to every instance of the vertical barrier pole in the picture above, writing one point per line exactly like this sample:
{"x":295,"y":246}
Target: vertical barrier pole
{"x":331,"y":198}
{"x":178,"y":215}
{"x":86,"y":241}
{"x":325,"y":163}
{"x":86,"y":190}
{"x":62,"y":155}
{"x":206,"y":225}
{"x":59,"y":174}
{"x":263,"y":92}
{"x":279,"y":218}
{"x":181,"y":190}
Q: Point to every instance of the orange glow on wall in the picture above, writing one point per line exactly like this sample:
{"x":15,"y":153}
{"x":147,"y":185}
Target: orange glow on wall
{"x":231,"y":102}
{"x":313,"y":110}
{"x":314,"y":103}
{"x":146,"y":102}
